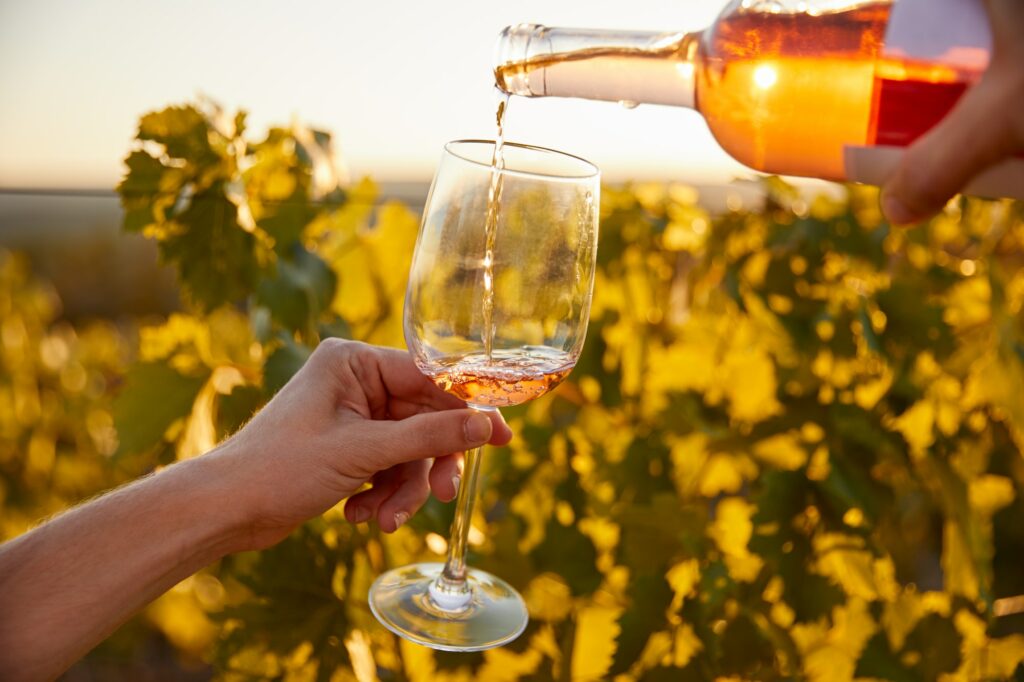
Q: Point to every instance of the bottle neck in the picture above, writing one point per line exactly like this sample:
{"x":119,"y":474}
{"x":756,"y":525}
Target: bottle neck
{"x":632,"y":67}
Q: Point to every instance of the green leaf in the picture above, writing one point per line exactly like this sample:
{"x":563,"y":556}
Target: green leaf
{"x":878,"y":661}
{"x":300,"y":291}
{"x":451,"y":661}
{"x":140,"y":185}
{"x":183,"y":131}
{"x":294,"y":602}
{"x":569,"y":553}
{"x":154,"y":396}
{"x":745,"y":649}
{"x":650,"y":596}
{"x":282,"y":364}
{"x":653,"y":534}
{"x":236,"y":408}
{"x":937,"y":641}
{"x":217,"y":260}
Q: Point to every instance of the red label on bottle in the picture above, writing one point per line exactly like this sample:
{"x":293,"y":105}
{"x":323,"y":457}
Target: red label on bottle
{"x":908,"y":109}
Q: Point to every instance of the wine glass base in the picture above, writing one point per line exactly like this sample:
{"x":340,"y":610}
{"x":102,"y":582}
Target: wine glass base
{"x":494,"y":614}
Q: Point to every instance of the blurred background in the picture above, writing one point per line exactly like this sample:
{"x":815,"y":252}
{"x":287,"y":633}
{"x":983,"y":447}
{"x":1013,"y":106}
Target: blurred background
{"x":792,"y":449}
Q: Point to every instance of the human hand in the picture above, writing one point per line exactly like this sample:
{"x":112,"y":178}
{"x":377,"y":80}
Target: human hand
{"x":353,"y":414}
{"x":985,"y":127}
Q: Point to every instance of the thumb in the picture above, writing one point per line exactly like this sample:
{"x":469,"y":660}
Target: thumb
{"x":431,"y":434}
{"x":974,"y":135}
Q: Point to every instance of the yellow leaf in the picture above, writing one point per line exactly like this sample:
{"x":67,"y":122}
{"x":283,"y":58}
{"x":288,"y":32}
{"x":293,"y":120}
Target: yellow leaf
{"x":990,"y":493}
{"x":725,"y":473}
{"x":657,"y":650}
{"x":820,"y":466}
{"x":501,"y":665}
{"x":686,"y":646}
{"x":681,"y":367}
{"x":688,"y":457}
{"x":997,"y":379}
{"x":597,"y":630}
{"x":357,"y":298}
{"x":983,"y":658}
{"x":900,"y":616}
{"x":843,"y":559}
{"x":957,"y":565}
{"x":756,"y":267}
{"x":178,"y":615}
{"x":280,"y":184}
{"x":751,"y":386}
{"x":682,"y":237}
{"x":393,"y":239}
{"x":969,"y":303}
{"x":602,"y":532}
{"x":773,"y":590}
{"x":548,"y":598}
{"x":683,"y":579}
{"x":364,"y":667}
{"x":782,"y":615}
{"x":811,"y":432}
{"x":937,"y":602}
{"x":534,"y":504}
{"x":731,"y":531}
{"x":157,"y":342}
{"x":886,"y":585}
{"x":200,"y":434}
{"x":42,"y":452}
{"x":916,"y":425}
{"x":782,"y":451}
{"x":867,"y":394}
{"x":831,"y":654}
{"x":227,"y":339}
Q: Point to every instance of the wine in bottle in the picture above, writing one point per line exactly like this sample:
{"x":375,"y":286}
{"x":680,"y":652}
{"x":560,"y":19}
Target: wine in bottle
{"x":829,"y":89}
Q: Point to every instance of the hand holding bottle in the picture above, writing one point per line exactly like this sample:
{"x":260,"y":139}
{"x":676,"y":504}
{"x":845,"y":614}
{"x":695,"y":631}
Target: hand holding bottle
{"x":985,"y":127}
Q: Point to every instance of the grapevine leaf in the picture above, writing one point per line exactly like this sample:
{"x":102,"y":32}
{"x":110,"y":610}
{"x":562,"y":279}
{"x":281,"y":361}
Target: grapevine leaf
{"x":878,"y":661}
{"x":646,"y":614}
{"x":301,"y":290}
{"x":138,"y":188}
{"x":236,"y":408}
{"x":571,"y":554}
{"x":296,"y":602}
{"x":745,"y":649}
{"x":937,"y":643}
{"x":217,"y":260}
{"x":154,"y":396}
{"x":183,"y":131}
{"x":282,"y":364}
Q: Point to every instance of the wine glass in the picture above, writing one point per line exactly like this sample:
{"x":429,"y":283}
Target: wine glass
{"x":495,"y":313}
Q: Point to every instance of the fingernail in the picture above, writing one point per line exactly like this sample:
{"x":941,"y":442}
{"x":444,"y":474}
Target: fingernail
{"x":400,"y":518}
{"x":477,"y":428}
{"x":455,"y":485}
{"x":360,"y":514}
{"x":895,"y":211}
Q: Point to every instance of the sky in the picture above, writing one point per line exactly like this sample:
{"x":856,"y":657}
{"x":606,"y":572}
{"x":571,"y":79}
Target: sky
{"x":393,"y":81}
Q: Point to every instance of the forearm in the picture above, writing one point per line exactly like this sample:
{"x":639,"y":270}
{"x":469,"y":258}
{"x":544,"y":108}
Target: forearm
{"x":69,"y":583}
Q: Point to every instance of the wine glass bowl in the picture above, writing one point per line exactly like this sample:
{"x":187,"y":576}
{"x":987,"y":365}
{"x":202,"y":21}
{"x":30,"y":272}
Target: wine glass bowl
{"x":542,"y":266}
{"x":496,"y":313}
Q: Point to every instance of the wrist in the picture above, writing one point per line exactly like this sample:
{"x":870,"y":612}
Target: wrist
{"x":220,"y":502}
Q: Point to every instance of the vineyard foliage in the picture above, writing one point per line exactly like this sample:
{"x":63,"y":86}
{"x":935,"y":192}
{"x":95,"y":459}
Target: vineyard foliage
{"x":790,"y":450}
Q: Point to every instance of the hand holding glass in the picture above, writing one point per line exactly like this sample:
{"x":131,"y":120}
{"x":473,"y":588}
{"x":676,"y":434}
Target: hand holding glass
{"x":495,"y":327}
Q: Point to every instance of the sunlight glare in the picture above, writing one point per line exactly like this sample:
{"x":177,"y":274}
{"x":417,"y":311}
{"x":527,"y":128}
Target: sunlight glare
{"x":765,"y":76}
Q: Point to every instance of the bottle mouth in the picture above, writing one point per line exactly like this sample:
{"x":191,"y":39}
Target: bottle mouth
{"x":516,"y":45}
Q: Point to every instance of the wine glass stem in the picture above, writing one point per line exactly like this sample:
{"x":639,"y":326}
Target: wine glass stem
{"x":455,"y":566}
{"x":451,"y":590}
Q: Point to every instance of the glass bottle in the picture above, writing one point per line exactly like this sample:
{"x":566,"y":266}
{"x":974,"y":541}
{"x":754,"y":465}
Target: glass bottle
{"x":820,"y":88}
